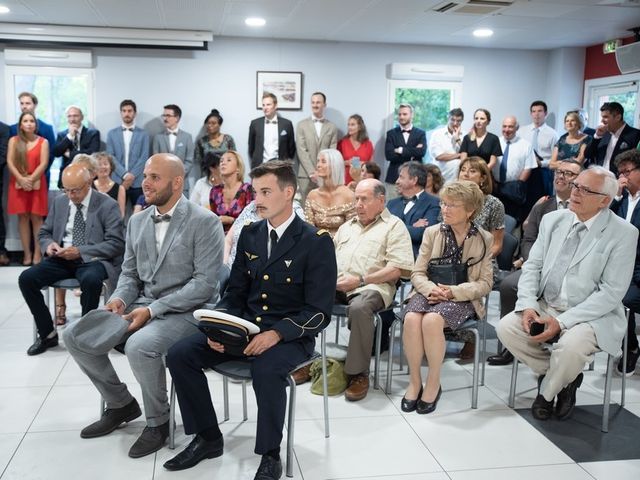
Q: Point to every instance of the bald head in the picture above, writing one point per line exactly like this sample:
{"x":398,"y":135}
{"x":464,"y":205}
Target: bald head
{"x":76,"y":181}
{"x":370,"y":197}
{"x":163,"y":181}
{"x":509,"y":127}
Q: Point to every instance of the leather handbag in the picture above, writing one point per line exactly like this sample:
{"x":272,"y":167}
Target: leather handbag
{"x":515,"y":192}
{"x":451,"y":273}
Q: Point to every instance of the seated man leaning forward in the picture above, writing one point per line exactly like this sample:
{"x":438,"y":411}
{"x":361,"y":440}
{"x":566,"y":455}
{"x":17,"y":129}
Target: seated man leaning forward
{"x":373,"y":251}
{"x":572,"y":286}
{"x":283,"y":279}
{"x":172,"y":257}
{"x":82,"y":238}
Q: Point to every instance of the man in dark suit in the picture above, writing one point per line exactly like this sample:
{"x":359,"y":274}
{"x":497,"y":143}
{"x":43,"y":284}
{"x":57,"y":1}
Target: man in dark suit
{"x":129,"y":146}
{"x":403,"y":144}
{"x":271,"y":136}
{"x":29,"y":103}
{"x":566,"y":173}
{"x":415,"y":207}
{"x":75,"y":139}
{"x":83,"y":238}
{"x":626,"y":205}
{"x":283,"y":279}
{"x":613,"y":136}
{"x":4,"y":141}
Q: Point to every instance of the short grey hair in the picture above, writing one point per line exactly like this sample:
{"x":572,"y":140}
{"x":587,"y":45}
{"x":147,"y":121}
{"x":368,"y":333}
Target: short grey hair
{"x":89,"y":162}
{"x":378,"y":188}
{"x":609,"y":181}
{"x":66,"y":110}
{"x":336,"y":165}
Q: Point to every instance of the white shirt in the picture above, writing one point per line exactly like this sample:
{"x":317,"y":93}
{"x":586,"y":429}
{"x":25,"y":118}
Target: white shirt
{"x":172,"y":139}
{"x":317,"y":124}
{"x":270,"y":140}
{"x":521,"y":157}
{"x":162,"y":227}
{"x":560,"y":205}
{"x":632,"y":201}
{"x":405,"y":135}
{"x":441,"y":142}
{"x":200,"y":193}
{"x":410,"y":204}
{"x":279,"y":231}
{"x":547,"y":139}
{"x":612,"y":146}
{"x":127,"y":135}
{"x":67,"y":240}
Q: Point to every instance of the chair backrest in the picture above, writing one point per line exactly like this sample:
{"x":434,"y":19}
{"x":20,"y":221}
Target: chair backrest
{"x":509,"y":247}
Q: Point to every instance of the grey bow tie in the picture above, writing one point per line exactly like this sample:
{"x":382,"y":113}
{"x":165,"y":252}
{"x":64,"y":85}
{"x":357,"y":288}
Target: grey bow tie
{"x":161,"y":218}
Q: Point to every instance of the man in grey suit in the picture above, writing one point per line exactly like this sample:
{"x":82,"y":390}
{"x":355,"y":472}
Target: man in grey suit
{"x":129,"y":146}
{"x":83,"y":238}
{"x":312,"y":135}
{"x":572,"y":287}
{"x":175,"y":140}
{"x":270,"y":136}
{"x":173,"y":253}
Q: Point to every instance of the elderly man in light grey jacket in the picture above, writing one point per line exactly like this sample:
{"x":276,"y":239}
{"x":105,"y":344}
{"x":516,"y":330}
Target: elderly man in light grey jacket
{"x":571,"y":289}
{"x":173,"y":254}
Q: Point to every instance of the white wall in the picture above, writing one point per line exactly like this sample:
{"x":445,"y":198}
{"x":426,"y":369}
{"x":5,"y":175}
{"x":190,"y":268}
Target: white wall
{"x":352,"y":75}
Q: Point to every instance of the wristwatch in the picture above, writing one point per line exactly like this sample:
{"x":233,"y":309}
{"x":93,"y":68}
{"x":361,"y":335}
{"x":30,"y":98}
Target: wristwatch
{"x":362,"y":284}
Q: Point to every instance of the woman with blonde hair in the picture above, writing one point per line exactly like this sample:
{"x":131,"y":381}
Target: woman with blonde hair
{"x":27,"y":160}
{"x":228,"y":199}
{"x":434,"y":306}
{"x":332,"y":203}
{"x":571,"y":145}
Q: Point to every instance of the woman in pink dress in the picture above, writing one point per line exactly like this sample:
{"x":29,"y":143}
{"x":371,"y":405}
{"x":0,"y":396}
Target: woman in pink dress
{"x":27,"y":159}
{"x":355,"y":145}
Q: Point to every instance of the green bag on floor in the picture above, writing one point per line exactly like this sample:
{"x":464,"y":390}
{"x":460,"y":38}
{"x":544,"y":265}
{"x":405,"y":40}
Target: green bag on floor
{"x":336,"y":378}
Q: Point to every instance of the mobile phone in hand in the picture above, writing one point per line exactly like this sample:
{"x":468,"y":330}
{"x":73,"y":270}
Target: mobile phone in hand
{"x":536,"y":328}
{"x":355,"y":162}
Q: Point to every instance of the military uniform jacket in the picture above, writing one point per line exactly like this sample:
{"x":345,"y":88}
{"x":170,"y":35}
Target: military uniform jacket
{"x":293,"y":290}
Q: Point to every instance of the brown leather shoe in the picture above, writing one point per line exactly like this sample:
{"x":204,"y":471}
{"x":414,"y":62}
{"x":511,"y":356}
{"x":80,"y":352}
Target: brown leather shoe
{"x":467,"y":351}
{"x":358,"y":387}
{"x":302,"y":375}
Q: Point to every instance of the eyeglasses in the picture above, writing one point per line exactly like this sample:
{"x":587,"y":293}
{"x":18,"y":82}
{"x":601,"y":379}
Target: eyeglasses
{"x":626,"y":173}
{"x":73,"y":191}
{"x":444,"y":205}
{"x":165,"y":115}
{"x":565,"y":174}
{"x":582,"y":190}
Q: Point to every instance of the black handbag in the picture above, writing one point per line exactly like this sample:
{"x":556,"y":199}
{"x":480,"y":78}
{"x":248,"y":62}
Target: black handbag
{"x":515,"y":192}
{"x":451,"y":273}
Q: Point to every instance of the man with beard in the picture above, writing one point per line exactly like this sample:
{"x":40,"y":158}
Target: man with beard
{"x":173,"y":253}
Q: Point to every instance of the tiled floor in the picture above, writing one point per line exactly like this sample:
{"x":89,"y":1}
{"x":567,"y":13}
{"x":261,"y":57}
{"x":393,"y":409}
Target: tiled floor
{"x":46,"y":400}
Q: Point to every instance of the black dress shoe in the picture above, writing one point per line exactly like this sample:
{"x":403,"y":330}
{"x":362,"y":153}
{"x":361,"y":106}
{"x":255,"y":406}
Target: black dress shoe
{"x":410,"y":405}
{"x":505,"y":357}
{"x":111,"y":419}
{"x":197,"y":450}
{"x":42,"y":344}
{"x":541,"y":408}
{"x":423,"y":407}
{"x":270,"y":469}
{"x":567,"y":398}
{"x":150,"y":441}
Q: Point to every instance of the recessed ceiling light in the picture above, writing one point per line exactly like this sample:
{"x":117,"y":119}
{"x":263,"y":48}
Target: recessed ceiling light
{"x":482,"y":32}
{"x":35,"y":29}
{"x":255,"y":22}
{"x":4,"y":9}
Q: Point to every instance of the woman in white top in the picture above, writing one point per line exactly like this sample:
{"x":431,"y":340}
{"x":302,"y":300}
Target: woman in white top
{"x":202,"y":188}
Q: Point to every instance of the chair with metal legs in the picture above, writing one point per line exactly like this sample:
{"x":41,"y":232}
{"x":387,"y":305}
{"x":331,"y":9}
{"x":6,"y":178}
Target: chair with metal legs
{"x":340,"y":312}
{"x":607,"y":383}
{"x":66,"y":284}
{"x":241,"y":370}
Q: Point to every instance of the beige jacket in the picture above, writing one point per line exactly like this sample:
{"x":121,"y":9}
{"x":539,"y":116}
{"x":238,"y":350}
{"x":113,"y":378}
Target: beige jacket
{"x":480,"y":275}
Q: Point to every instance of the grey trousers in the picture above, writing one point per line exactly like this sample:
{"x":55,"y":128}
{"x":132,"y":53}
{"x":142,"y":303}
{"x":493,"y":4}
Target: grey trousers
{"x":562,"y":364}
{"x":145,"y":350}
{"x":361,"y":310}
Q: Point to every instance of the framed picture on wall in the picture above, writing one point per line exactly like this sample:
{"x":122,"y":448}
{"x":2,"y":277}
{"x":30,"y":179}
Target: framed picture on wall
{"x":286,"y":86}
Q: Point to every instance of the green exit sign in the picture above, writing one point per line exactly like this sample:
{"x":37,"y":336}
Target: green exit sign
{"x":611,"y":45}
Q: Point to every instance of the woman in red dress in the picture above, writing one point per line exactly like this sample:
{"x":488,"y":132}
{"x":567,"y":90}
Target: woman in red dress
{"x":27,"y":159}
{"x":355,"y":144}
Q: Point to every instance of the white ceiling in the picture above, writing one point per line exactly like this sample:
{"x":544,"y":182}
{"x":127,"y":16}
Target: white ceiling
{"x":537,"y":24}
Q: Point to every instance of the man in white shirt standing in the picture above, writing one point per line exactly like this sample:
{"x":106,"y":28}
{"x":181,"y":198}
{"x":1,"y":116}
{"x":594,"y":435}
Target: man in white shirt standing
{"x":444,"y":145}
{"x":542,"y":138}
{"x":271,"y":136}
{"x":513,"y":169}
{"x":313,"y":134}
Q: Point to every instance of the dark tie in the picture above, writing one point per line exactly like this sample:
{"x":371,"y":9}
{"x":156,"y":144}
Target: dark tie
{"x":172,"y":133}
{"x":273,"y":235}
{"x":275,"y":122}
{"x":76,"y":141}
{"x":407,"y":131}
{"x":79,"y":225}
{"x":561,"y":265}
{"x":318,"y":120}
{"x":410,"y":199}
{"x":161,"y":218}
{"x":125,"y":129}
{"x":503,"y":163}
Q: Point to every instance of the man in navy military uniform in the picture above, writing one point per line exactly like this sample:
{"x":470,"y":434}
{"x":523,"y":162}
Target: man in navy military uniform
{"x":284,"y":280}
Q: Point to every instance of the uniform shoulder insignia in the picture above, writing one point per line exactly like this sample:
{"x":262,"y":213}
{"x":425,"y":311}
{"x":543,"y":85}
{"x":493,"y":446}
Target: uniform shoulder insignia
{"x":248,"y":222}
{"x":322,"y":231}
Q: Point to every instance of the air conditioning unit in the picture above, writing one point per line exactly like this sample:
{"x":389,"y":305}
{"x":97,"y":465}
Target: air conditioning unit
{"x":424,"y":71}
{"x":628,"y":58}
{"x":48,"y":58}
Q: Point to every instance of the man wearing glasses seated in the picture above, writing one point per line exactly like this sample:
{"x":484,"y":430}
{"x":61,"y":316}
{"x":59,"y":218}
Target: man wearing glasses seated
{"x":571,"y":290}
{"x":82,"y":238}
